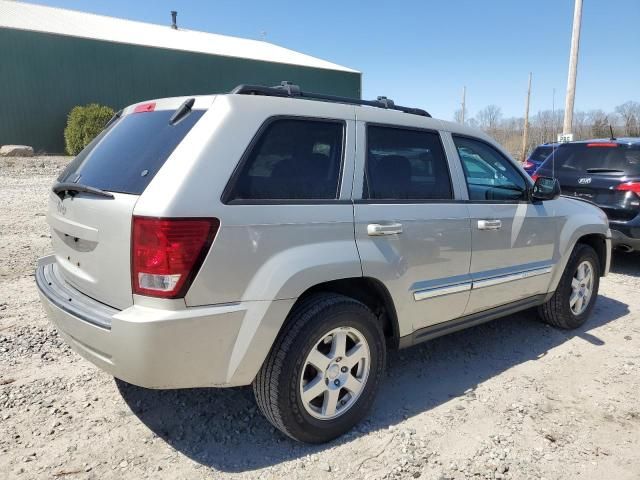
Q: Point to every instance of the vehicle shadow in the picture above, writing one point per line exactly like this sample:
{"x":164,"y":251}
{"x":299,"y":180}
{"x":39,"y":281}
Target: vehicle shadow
{"x":626,"y":263}
{"x":222,"y":428}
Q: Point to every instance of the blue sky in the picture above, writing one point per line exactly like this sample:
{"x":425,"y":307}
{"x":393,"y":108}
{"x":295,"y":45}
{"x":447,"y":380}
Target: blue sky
{"x":421,"y":53}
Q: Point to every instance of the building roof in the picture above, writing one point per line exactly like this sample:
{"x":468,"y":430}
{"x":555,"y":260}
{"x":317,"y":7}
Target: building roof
{"x":38,"y":18}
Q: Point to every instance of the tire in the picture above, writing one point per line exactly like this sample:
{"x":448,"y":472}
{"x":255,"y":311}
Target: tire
{"x":287,"y":370}
{"x":558,"y":310}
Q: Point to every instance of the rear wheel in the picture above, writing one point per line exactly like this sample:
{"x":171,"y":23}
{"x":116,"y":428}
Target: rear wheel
{"x":323,"y":372}
{"x":575,"y":297}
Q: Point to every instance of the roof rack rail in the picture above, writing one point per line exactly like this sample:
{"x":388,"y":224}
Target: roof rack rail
{"x":288,"y":89}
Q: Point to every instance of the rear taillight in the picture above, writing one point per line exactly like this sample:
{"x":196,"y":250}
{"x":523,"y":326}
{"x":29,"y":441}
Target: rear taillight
{"x":527,"y":164}
{"x":534,"y":177}
{"x":166,"y":253}
{"x":630,"y":187}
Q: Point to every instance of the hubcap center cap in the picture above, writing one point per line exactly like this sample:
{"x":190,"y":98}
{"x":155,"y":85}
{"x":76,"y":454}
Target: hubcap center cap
{"x":333,"y":372}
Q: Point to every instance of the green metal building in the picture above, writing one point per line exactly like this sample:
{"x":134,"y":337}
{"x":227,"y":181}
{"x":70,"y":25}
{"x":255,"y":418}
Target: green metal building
{"x":54,"y":59}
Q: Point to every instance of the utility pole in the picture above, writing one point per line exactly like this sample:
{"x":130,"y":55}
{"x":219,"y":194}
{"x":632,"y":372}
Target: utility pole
{"x":573,"y":69}
{"x":464,"y":103}
{"x":525,"y":133}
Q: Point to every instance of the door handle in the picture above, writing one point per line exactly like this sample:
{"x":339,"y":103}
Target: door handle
{"x":377,"y":229}
{"x":489,"y":224}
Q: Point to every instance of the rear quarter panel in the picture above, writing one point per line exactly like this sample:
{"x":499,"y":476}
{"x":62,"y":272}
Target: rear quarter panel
{"x":262,"y":251}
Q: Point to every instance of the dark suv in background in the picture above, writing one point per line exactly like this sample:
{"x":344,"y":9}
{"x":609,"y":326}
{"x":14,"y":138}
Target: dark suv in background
{"x":538,"y":156}
{"x":607,"y":173}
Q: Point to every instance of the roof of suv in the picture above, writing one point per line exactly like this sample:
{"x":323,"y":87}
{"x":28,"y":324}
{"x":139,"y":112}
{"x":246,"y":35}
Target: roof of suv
{"x":382,"y":109}
{"x":385,"y":105}
{"x":618,"y":140}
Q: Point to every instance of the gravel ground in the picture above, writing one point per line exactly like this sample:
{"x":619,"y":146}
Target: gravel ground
{"x":510,"y":399}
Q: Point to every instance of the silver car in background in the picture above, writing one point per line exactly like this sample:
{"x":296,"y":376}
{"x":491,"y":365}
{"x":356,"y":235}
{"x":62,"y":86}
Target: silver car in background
{"x":287,"y":240}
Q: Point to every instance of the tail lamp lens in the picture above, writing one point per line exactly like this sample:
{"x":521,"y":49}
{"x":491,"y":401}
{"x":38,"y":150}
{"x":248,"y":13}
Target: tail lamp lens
{"x":166,"y":253}
{"x":630,"y":187}
{"x":527,"y":164}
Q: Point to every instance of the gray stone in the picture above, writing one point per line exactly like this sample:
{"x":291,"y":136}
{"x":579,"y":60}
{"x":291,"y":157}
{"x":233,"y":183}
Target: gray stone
{"x":16,"y":151}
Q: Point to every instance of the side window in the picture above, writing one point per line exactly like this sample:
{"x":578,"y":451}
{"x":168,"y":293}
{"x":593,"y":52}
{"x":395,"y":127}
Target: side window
{"x":489,"y":175}
{"x":294,"y":159}
{"x":405,"y":164}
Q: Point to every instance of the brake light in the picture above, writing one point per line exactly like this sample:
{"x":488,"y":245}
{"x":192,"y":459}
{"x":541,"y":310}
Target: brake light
{"x":166,"y":253}
{"x":527,"y":164}
{"x":602,"y":144}
{"x":145,"y":107}
{"x":534,"y":177}
{"x":630,"y":187}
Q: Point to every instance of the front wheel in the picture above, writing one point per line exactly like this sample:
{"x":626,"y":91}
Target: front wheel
{"x":575,"y":297}
{"x":323,"y":372}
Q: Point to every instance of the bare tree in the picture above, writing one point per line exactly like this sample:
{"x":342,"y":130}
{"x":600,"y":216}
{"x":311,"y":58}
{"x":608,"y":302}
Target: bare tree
{"x":599,"y":122}
{"x":457,"y":116}
{"x":547,"y":124}
{"x":473,"y":123}
{"x":489,"y":117}
{"x":580,"y":125}
{"x":629,"y":113}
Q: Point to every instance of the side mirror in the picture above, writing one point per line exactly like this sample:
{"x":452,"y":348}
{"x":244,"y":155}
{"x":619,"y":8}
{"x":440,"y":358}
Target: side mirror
{"x":545,"y":188}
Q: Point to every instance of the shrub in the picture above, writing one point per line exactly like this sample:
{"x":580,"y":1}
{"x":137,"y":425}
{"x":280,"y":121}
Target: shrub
{"x":84,"y":123}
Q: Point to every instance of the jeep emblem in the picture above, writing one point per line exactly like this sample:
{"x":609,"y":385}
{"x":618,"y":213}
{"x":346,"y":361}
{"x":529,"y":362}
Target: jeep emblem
{"x":62,"y":210}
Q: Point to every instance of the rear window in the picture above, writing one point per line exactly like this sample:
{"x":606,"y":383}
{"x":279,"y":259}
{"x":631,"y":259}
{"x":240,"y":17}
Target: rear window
{"x":584,"y":157}
{"x":293,"y":159}
{"x":127,"y":154}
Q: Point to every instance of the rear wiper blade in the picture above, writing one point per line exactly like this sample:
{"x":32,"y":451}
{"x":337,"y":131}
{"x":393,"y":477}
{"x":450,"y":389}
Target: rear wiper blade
{"x":598,"y":170}
{"x":115,"y":117}
{"x":63,"y":188}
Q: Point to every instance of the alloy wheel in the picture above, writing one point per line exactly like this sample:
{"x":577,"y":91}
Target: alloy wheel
{"x":335,"y":373}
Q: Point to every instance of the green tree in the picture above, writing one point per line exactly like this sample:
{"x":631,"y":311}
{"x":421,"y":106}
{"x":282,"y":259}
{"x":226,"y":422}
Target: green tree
{"x":84,"y":123}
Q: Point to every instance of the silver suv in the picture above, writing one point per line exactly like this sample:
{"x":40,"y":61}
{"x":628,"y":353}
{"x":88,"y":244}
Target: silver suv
{"x":287,"y":240}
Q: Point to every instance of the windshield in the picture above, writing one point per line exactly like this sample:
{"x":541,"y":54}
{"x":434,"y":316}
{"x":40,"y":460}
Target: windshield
{"x":580,"y":157}
{"x":127,"y":154}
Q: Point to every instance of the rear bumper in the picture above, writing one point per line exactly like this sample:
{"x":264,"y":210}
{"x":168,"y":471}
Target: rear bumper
{"x":620,"y":238}
{"x":171,"y":347}
{"x":626,"y":233}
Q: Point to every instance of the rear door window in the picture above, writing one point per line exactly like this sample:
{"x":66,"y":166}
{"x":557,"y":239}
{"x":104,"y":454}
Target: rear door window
{"x":293,"y":159}
{"x":127,"y":154}
{"x":405,"y":164}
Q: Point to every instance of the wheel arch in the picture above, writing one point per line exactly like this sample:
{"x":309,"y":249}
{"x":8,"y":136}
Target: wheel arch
{"x":598,"y":242}
{"x":371,"y":292}
{"x":580,"y":226}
